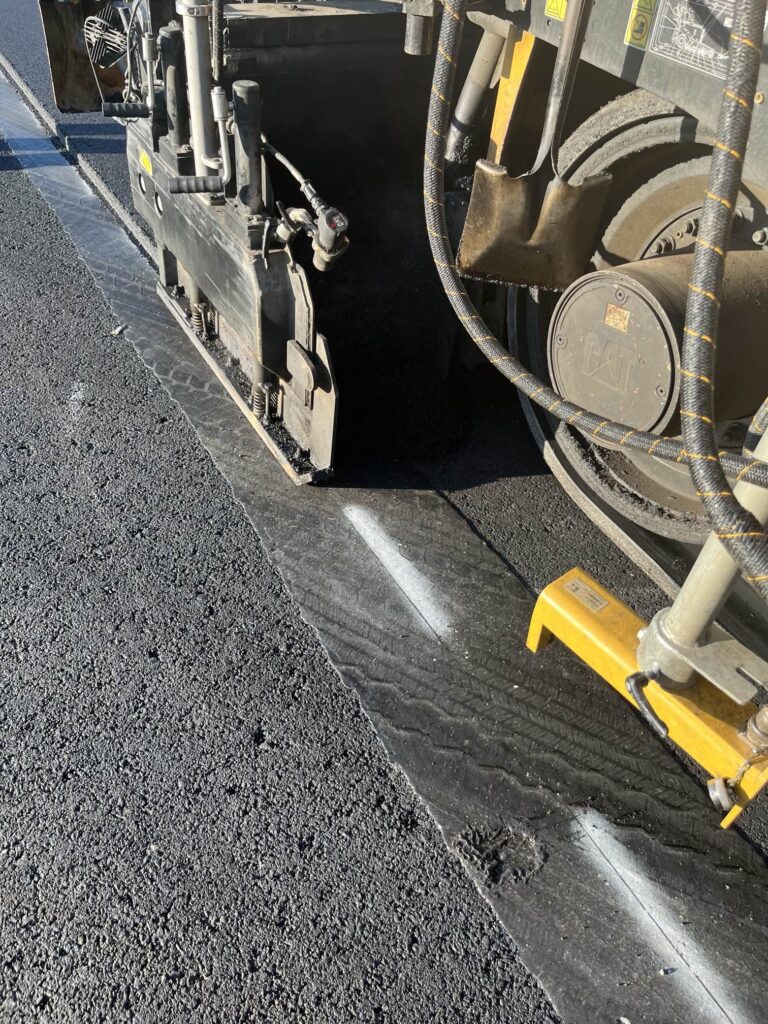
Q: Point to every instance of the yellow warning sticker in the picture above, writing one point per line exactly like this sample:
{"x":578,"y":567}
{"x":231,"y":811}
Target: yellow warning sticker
{"x":556,"y":9}
{"x":617,"y":318}
{"x":146,"y":162}
{"x":639,"y":24}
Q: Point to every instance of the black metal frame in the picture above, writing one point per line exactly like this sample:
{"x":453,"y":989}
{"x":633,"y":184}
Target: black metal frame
{"x":660,"y":63}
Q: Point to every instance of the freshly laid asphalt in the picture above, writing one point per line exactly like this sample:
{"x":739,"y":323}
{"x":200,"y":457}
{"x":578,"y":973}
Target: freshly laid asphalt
{"x":197,"y":822}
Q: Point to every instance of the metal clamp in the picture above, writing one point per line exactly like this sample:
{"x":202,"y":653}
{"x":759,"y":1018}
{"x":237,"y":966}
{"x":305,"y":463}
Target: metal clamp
{"x":717,"y":657}
{"x":192,"y":10}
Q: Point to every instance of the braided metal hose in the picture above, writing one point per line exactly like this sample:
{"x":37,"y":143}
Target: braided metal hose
{"x":588,"y":423}
{"x":741,"y":533}
{"x":217,"y":40}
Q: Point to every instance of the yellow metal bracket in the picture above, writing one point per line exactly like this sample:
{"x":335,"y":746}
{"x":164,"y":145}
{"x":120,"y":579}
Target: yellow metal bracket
{"x":702,"y":721}
{"x":515,"y":61}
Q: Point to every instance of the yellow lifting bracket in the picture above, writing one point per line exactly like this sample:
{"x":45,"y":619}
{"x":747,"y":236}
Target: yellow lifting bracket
{"x":603,"y":632}
{"x":515,"y":61}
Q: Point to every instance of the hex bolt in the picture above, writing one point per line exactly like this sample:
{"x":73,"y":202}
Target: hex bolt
{"x":692,"y":226}
{"x":720,"y":795}
{"x":760,"y":237}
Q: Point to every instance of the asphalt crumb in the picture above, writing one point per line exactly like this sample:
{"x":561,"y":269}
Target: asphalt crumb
{"x":510,"y":853}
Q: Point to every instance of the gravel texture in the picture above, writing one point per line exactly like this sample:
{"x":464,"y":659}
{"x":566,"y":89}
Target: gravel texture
{"x":197,"y":822}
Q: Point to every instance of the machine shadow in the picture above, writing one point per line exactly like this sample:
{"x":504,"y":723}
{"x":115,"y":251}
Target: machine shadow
{"x":94,"y":138}
{"x":30,"y":153}
{"x":491,"y":441}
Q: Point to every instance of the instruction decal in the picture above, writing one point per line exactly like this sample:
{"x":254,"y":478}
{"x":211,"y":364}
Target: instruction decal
{"x":695,"y":33}
{"x":639,"y":24}
{"x":556,"y":9}
{"x":586,"y":595}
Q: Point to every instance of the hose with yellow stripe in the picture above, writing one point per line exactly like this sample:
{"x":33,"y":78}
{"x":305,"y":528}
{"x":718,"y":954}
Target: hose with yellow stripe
{"x":588,"y":423}
{"x":740,"y":532}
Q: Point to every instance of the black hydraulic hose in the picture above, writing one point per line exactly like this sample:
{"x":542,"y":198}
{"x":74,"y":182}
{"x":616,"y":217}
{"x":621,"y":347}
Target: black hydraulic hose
{"x":306,"y":187}
{"x":741,"y":533}
{"x":217,"y":39}
{"x":146,"y":27}
{"x":294,"y":172}
{"x":443,"y":82}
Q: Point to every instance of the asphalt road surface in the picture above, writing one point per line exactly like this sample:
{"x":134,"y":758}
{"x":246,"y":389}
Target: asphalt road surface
{"x":197,"y":822}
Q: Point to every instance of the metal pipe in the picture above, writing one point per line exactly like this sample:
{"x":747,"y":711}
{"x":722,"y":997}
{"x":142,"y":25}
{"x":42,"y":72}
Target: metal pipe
{"x":197,"y":47}
{"x":469,"y":106}
{"x":220,"y":107}
{"x":149,"y":56}
{"x":172,"y":56}
{"x":246,"y":98}
{"x":419,"y":35}
{"x":226,"y":157}
{"x":703,"y":594}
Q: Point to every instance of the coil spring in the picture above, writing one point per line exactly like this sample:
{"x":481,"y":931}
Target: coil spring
{"x":198,"y":320}
{"x":259,"y":400}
